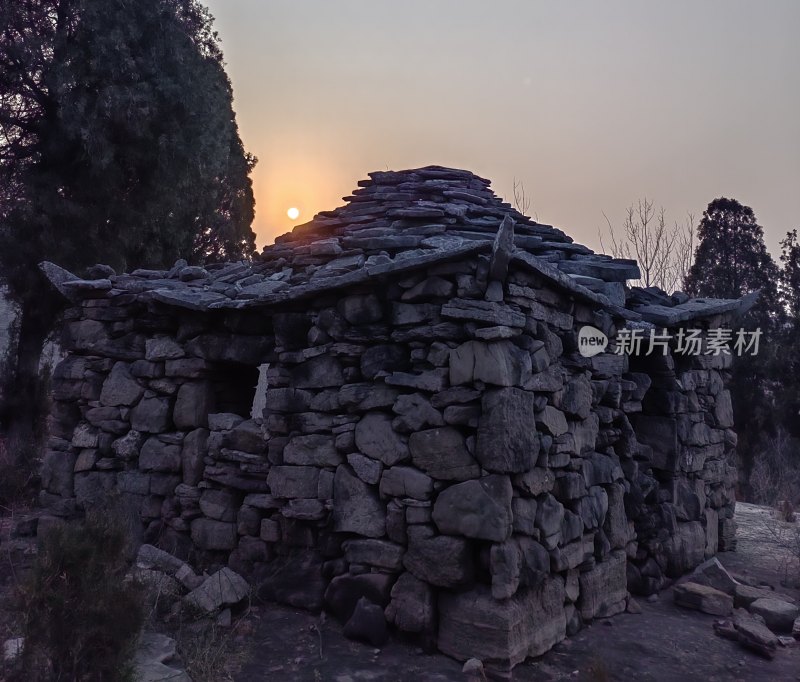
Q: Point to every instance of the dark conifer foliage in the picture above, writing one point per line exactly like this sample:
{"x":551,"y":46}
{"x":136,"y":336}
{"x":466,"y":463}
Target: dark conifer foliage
{"x":731,"y":259}
{"x":118,"y":145}
{"x":788,"y":368}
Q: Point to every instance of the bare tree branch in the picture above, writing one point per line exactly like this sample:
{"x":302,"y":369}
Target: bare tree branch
{"x":664,"y":252}
{"x":521,"y":201}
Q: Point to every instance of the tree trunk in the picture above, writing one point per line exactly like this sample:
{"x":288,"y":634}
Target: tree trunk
{"x":23,"y":415}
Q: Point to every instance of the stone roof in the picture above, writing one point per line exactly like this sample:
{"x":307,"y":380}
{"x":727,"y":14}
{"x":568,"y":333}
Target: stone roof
{"x":394,"y":222}
{"x":659,"y":308}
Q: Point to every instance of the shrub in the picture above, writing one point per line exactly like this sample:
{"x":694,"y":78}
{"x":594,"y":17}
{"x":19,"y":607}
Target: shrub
{"x":83,"y":615}
{"x":20,"y":459}
{"x":17,"y":477}
{"x":775,"y":477}
{"x":206,"y":651}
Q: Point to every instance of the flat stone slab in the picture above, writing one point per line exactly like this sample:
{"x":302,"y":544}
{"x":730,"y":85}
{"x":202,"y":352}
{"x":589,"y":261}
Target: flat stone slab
{"x":744,"y":595}
{"x":713,"y":574}
{"x":151,"y":662}
{"x":223,"y":588}
{"x":778,"y":614}
{"x":756,"y":637}
{"x":610,"y":271}
{"x":703,"y":598}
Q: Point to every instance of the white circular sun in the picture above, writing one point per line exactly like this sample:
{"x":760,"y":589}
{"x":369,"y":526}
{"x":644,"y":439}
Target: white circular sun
{"x":293,"y":213}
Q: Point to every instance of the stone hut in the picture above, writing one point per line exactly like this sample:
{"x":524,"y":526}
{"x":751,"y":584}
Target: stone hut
{"x":429,"y":435}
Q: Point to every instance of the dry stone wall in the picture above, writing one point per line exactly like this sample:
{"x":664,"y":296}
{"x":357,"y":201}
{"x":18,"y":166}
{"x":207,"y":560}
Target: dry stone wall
{"x":684,"y":501}
{"x":134,"y":408}
{"x":453,"y":460}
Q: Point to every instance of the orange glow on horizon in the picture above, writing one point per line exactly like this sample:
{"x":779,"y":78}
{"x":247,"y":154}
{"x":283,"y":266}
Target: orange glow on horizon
{"x":308,"y":185}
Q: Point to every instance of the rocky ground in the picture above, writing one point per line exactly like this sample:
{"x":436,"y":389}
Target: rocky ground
{"x":664,"y":643}
{"x":661,"y":644}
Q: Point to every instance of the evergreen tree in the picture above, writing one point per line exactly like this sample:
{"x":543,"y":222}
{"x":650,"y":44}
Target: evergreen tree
{"x":731,"y":261}
{"x":118,"y":144}
{"x":788,"y":364}
{"x":790,"y":276}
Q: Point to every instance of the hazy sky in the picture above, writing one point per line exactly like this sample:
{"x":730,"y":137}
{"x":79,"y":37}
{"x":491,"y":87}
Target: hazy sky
{"x":591,"y":104}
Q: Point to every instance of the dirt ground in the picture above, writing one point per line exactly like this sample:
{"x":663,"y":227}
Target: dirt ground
{"x":662,"y":644}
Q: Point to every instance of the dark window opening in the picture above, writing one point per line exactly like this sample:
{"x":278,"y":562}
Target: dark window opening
{"x":234,"y":386}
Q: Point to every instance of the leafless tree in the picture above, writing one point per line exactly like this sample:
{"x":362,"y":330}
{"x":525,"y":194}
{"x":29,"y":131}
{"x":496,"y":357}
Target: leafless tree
{"x":775,"y":476}
{"x":664,"y":252}
{"x":521,"y":201}
{"x":683,"y":255}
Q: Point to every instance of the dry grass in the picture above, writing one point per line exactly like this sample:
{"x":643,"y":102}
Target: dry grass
{"x":15,"y":559}
{"x":775,"y":477}
{"x":775,"y":482}
{"x":769,"y":543}
{"x":785,"y":536}
{"x":209,"y":652}
{"x":18,"y":478}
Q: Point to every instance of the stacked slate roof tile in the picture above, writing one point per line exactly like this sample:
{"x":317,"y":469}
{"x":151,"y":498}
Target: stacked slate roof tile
{"x":397,"y":221}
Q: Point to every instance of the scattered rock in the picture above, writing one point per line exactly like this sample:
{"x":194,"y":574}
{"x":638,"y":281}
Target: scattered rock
{"x":367,"y":623}
{"x":224,"y":618}
{"x":744,"y":595}
{"x":756,"y":637}
{"x":473,"y":668}
{"x":713,"y":574}
{"x":632,"y":606}
{"x":188,"y":578}
{"x":156,"y":660}
{"x":223,"y":588}
{"x":726,"y":630}
{"x":778,"y":615}
{"x":703,"y":598}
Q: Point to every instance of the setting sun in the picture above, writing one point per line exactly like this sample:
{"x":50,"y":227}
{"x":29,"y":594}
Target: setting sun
{"x":293,"y":213}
